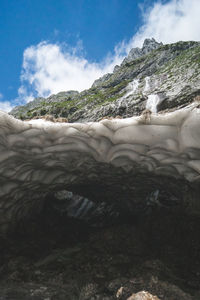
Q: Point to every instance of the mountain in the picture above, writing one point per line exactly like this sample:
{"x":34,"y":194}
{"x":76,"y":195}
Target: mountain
{"x":157,"y":77}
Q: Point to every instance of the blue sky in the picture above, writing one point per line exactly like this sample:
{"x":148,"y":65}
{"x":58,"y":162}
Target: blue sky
{"x":48,"y":46}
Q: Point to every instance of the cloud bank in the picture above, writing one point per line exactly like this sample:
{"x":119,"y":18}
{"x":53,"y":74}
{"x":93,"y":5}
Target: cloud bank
{"x":50,"y":68}
{"x":6,"y":106}
{"x":170,"y":22}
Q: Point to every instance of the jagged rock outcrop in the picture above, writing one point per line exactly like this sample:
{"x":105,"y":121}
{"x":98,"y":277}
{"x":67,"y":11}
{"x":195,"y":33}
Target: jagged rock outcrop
{"x":148,"y":46}
{"x":101,"y":80}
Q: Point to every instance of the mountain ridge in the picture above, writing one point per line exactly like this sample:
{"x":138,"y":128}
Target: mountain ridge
{"x":169,"y":72}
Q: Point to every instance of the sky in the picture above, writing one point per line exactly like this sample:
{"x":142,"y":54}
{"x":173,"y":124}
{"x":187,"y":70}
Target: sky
{"x":49,"y":46}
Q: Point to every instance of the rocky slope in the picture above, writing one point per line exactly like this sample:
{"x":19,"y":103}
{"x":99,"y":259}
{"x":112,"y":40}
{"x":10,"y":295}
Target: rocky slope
{"x":157,"y":76}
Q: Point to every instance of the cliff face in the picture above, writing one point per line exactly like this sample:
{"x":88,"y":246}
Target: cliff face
{"x":160,"y":77}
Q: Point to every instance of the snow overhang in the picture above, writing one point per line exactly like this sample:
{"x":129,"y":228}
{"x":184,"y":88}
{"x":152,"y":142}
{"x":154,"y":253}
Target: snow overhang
{"x":39,"y":157}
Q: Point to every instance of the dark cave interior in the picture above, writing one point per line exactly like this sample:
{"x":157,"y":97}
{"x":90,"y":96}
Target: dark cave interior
{"x":152,"y":244}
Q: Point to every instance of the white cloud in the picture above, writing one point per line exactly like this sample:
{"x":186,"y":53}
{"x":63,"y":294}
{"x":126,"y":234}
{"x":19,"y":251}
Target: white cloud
{"x":24,"y":94}
{"x":50,"y":68}
{"x":5,"y":106}
{"x":170,"y":22}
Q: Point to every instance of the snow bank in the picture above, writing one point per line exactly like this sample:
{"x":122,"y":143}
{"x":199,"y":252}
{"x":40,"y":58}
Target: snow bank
{"x":38,"y":156}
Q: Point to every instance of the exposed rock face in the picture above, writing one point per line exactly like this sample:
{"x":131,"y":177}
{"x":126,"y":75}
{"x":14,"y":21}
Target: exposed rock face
{"x":101,"y":80}
{"x":148,"y":46}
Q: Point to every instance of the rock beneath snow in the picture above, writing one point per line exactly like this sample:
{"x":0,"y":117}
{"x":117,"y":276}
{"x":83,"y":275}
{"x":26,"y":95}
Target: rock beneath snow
{"x":142,"y":296}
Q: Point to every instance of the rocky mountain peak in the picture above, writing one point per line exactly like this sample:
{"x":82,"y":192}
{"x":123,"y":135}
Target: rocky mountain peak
{"x":148,"y":46}
{"x":151,"y":42}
